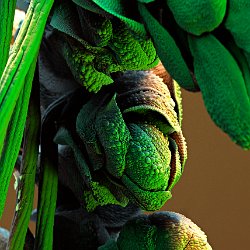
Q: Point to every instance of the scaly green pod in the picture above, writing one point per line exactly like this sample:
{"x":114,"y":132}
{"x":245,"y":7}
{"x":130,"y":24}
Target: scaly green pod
{"x":128,"y":131}
{"x":167,"y":49}
{"x":200,"y":16}
{"x":223,"y":87}
{"x":159,"y":231}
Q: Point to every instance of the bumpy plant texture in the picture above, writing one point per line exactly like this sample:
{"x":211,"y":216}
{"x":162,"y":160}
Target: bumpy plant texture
{"x":94,"y":45}
{"x":111,"y":141}
{"x":158,"y":230}
{"x":173,"y":28}
{"x":130,"y":134}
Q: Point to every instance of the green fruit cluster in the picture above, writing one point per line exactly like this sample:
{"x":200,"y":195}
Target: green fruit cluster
{"x":95,"y":44}
{"x":211,"y":46}
{"x":209,"y":42}
{"x":204,"y":45}
{"x":160,"y":230}
{"x":130,"y":134}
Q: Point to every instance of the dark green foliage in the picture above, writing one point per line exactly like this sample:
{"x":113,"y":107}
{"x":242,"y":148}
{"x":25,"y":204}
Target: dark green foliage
{"x":238,"y":22}
{"x":198,"y":16}
{"x":223,"y":87}
{"x":159,"y":231}
{"x":110,"y":46}
{"x":167,"y":49}
{"x":7,"y":12}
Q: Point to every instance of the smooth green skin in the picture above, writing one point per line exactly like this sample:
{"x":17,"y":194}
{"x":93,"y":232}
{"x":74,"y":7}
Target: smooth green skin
{"x":159,"y":231}
{"x":167,"y":49}
{"x":223,"y":87}
{"x":12,"y":81}
{"x":198,"y":16}
{"x":7,"y":12}
{"x":26,"y":185}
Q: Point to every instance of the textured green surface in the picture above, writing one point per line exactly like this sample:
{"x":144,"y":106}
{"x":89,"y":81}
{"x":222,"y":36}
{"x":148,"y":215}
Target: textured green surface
{"x":110,"y":47}
{"x":240,"y":58}
{"x":19,"y":66}
{"x":100,"y":195}
{"x":64,"y":137}
{"x":7,"y":12}
{"x":46,"y":206}
{"x":159,"y":231}
{"x":26,"y":185}
{"x":223,"y":87}
{"x":237,"y":22}
{"x":116,"y":8}
{"x":14,"y":136}
{"x":126,"y":134}
{"x":114,"y":137}
{"x":148,"y":158}
{"x":198,"y":16}
{"x":167,"y":49}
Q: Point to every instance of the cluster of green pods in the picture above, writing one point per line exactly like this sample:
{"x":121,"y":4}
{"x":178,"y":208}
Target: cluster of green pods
{"x":204,"y":45}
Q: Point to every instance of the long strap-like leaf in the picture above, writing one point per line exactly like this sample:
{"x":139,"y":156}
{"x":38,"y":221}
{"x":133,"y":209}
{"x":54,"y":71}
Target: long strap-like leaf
{"x":25,"y":193}
{"x":22,"y":55}
{"x":48,"y":182}
{"x":7,"y":12}
{"x":12,"y":82}
{"x":14,"y":136}
{"x":46,"y":207}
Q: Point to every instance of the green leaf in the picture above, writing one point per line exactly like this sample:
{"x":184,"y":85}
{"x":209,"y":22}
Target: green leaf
{"x":114,"y":137}
{"x":167,"y":49}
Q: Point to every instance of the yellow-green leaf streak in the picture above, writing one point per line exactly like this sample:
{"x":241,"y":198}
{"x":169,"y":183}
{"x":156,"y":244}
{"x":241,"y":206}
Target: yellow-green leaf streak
{"x":7,"y":12}
{"x":21,"y":57}
{"x":14,"y":137}
{"x":46,"y":207}
{"x":28,"y":172}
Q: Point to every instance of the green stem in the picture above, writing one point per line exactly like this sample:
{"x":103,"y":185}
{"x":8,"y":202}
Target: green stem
{"x":46,"y":206}
{"x":23,"y":53}
{"x":7,"y":13}
{"x":26,"y":186}
{"x":13,"y":80}
{"x":14,"y":137}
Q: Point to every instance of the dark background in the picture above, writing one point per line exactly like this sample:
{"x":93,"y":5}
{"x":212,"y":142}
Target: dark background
{"x":214,"y":190}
